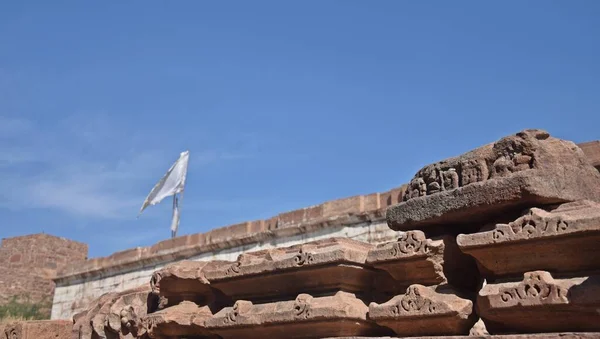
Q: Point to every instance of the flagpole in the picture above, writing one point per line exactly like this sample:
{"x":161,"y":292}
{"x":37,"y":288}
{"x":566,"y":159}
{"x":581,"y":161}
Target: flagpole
{"x":174,"y":232}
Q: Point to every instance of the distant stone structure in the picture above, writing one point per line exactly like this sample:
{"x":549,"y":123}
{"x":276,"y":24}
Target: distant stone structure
{"x":29,"y":263}
{"x":500,"y":242}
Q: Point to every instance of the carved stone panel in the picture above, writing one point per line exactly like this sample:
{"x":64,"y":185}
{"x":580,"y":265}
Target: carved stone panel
{"x":314,"y":267}
{"x":521,"y":170}
{"x":305,"y":317}
{"x":425,"y":311}
{"x":414,"y":259}
{"x":563,"y":239}
{"x":563,"y":304}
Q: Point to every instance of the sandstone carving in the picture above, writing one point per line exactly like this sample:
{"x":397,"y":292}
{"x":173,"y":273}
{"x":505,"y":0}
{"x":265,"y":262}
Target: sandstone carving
{"x":42,"y":329}
{"x":425,"y":311}
{"x":183,"y":320}
{"x":564,"y":304}
{"x":522,"y":170}
{"x":115,"y":315}
{"x":305,"y":317}
{"x":414,"y":259}
{"x":565,"y":239}
{"x":185,"y":280}
{"x":318,"y":266}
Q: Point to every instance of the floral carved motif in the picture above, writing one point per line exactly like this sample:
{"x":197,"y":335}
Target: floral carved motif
{"x":413,"y":302}
{"x":537,"y":287}
{"x":531,"y":225}
{"x":411,"y":242}
{"x":302,"y":306}
{"x":303,"y":258}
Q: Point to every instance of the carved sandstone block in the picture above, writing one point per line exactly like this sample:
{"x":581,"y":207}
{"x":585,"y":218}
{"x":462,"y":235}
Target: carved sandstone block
{"x":414,"y":259}
{"x":541,"y":303}
{"x":40,"y":329}
{"x":276,"y":274}
{"x":305,"y":317}
{"x":560,"y":335}
{"x":183,"y":320}
{"x":425,"y":311}
{"x":114,"y":315}
{"x":185,"y":280}
{"x":563,"y":239}
{"x":522,"y":170}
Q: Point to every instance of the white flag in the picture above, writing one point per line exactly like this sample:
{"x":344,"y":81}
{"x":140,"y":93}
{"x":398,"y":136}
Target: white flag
{"x":172,"y":182}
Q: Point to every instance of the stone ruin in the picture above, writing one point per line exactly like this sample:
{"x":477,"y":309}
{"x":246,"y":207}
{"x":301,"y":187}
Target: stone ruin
{"x":500,"y":242}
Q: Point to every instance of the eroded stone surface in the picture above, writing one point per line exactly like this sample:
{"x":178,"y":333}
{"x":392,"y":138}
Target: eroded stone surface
{"x":562,"y":335}
{"x":541,"y":303}
{"x":305,"y":317}
{"x":522,"y":170}
{"x":43,"y":329}
{"x":275,"y":274}
{"x":414,"y":259}
{"x":564,"y":239}
{"x":114,"y":315}
{"x":425,"y":311}
{"x":183,"y":320}
{"x":185,"y":280}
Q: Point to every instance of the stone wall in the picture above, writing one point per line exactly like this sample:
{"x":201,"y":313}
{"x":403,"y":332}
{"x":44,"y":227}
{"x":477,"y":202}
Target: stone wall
{"x":29,"y":263}
{"x":361,"y":218}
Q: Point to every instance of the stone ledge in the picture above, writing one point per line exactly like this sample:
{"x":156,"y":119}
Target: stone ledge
{"x":563,"y":335}
{"x":190,"y":245}
{"x":565,"y":239}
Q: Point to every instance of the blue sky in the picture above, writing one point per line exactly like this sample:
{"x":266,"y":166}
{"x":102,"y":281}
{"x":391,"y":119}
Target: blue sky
{"x":282,"y":104}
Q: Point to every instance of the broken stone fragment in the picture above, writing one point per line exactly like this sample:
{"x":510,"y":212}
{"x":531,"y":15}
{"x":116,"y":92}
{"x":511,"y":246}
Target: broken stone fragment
{"x":186,"y":281}
{"x":183,"y":320}
{"x":114,"y":315}
{"x":37,"y":329}
{"x":314,"y":267}
{"x":414,"y":259}
{"x":523,"y":170}
{"x":564,"y":239}
{"x":540,"y":303}
{"x":305,"y":317}
{"x":425,"y":311}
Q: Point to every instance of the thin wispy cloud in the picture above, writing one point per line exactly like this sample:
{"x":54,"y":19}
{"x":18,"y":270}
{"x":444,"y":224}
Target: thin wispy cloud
{"x":82,"y":167}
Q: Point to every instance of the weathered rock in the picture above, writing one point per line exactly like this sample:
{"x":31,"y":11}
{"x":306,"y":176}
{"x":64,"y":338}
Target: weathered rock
{"x":114,"y":315}
{"x":562,"y":335}
{"x":523,"y":170}
{"x":306,"y":317}
{"x":39,"y":329}
{"x":315,"y":267}
{"x":183,"y":320}
{"x":541,"y":303}
{"x":185,"y":280}
{"x":564,"y":239}
{"x":414,"y":259}
{"x":425,"y":311}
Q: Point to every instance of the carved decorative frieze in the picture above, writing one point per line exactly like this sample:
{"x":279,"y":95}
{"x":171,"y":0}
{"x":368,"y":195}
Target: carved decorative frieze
{"x":305,"y":317}
{"x":317,"y":266}
{"x":425,"y":311}
{"x":414,"y":259}
{"x":565,"y":239}
{"x":524,"y":169}
{"x":569,"y":304}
